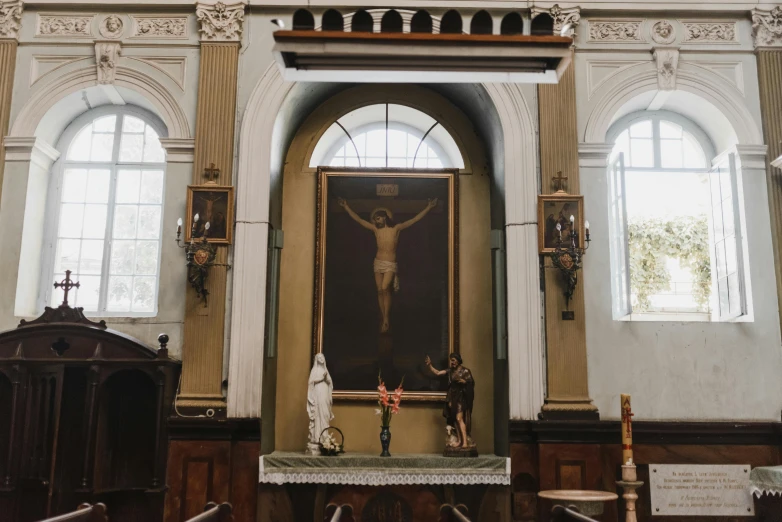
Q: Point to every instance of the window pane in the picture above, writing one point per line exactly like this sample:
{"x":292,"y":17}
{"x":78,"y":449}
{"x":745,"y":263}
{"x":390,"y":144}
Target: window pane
{"x":719,"y":251}
{"x":376,"y":143}
{"x":151,"y":186}
{"x":87,"y":295}
{"x":102,"y":147}
{"x":91,"y":257}
{"x":98,"y":186}
{"x":122,"y":257}
{"x":105,"y":124}
{"x":146,"y":257}
{"x":642,"y":129}
{"x":728,"y":217}
{"x":125,"y":218}
{"x":734,"y":293}
{"x":120,"y":288}
{"x":730,"y":255}
{"x":67,"y":255}
{"x":671,"y":153}
{"x":670,"y":130}
{"x":131,"y":148}
{"x":153,"y":152}
{"x":693,"y":154}
{"x":128,"y":182}
{"x":71,"y":218}
{"x":722,"y":293}
{"x":94,"y":221}
{"x":641,"y":153}
{"x":149,"y":222}
{"x":80,"y":146}
{"x":74,"y":185}
{"x":132,"y":124}
{"x":144,"y":294}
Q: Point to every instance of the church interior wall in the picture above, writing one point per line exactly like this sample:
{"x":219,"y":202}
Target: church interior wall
{"x":677,"y":369}
{"x":168,"y":63}
{"x":419,"y":426}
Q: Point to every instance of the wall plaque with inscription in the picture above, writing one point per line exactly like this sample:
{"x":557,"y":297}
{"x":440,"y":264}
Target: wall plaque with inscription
{"x":700,"y":490}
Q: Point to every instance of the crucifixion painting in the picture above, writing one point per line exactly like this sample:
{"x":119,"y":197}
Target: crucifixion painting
{"x":387,"y":298}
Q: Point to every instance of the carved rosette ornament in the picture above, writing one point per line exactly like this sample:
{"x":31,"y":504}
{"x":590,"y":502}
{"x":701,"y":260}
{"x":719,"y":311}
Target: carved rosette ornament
{"x":220,"y":22}
{"x":767,"y":27}
{"x":10,"y":18}
{"x":663,"y":33}
{"x":106,"y":56}
{"x":563,"y":17}
{"x":667,"y":60}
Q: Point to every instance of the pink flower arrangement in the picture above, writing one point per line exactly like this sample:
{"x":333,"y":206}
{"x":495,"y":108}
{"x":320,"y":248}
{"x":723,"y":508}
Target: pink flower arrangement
{"x":388,"y":402}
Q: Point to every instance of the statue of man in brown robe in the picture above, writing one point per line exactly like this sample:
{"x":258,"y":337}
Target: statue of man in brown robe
{"x":459,"y":400}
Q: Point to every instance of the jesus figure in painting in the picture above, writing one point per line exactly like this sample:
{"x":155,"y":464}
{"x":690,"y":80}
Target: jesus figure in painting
{"x":387,"y":236}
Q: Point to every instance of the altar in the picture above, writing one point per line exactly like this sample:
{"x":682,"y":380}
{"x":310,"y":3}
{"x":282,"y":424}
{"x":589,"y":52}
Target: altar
{"x":403,"y":487}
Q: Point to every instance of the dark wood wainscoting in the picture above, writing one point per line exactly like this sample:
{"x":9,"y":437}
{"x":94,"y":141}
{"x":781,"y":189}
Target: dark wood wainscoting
{"x":587,"y":455}
{"x":212,"y":460}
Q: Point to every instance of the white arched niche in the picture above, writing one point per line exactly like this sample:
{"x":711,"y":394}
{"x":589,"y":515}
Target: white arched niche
{"x":660,"y":362}
{"x":30,"y":156}
{"x":263,"y":135}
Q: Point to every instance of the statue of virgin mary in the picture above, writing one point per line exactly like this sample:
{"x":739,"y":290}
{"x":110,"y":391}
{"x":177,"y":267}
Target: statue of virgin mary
{"x":319,"y":390}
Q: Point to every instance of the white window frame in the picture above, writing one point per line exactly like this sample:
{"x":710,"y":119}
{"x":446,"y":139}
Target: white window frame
{"x":622,"y":305}
{"x":54,"y":197}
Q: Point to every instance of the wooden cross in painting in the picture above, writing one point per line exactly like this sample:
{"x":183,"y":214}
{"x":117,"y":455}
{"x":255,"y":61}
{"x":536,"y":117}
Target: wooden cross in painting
{"x":66,"y":285}
{"x":211,"y":173}
{"x":559,"y":179}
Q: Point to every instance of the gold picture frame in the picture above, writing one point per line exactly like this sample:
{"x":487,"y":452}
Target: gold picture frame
{"x":214,"y":204}
{"x":557,"y":208}
{"x":348,"y":315}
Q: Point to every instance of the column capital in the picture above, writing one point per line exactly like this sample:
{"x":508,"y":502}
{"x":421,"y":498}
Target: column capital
{"x":561,"y":16}
{"x":220,"y":22}
{"x":767,"y":27}
{"x":10,"y":18}
{"x":178,"y":150}
{"x":32,"y":149}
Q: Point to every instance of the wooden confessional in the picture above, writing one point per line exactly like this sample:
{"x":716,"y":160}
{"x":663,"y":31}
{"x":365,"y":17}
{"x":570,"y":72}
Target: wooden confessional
{"x":83,"y":414}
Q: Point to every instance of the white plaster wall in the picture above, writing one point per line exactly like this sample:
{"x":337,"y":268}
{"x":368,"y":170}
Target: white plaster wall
{"x":678,"y":370}
{"x":173,"y":65}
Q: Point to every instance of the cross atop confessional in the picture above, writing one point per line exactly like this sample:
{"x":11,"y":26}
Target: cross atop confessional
{"x":66,"y":285}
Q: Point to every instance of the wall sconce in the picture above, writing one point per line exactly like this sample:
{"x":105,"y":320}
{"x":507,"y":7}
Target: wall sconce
{"x":568,"y":258}
{"x":200,"y":257}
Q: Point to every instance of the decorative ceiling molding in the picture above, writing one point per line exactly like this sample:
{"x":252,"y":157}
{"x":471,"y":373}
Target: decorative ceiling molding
{"x":111,"y":27}
{"x":562,"y":17}
{"x":106,"y":57}
{"x":172,"y":66}
{"x":710,"y":32}
{"x":220,"y":22}
{"x":10,"y":18}
{"x":41,"y":65}
{"x":662,"y":32}
{"x":667,"y":60}
{"x":64,"y":25}
{"x":608,"y":31}
{"x":159,"y":27}
{"x":767,"y":27}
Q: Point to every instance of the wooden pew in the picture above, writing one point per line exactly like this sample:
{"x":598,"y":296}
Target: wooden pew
{"x":215,"y":513}
{"x":84,"y":513}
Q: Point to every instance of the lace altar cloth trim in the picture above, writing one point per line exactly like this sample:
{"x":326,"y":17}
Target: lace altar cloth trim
{"x":369,"y":470}
{"x":766,"y":480}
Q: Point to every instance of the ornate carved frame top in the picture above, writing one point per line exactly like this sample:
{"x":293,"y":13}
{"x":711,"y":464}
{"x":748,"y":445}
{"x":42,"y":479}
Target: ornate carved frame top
{"x":767,"y":27}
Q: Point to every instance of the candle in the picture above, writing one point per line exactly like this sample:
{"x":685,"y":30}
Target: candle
{"x":195,"y":218}
{"x":559,"y":229}
{"x":178,"y":227}
{"x":206,"y":229}
{"x":586,"y":225}
{"x":627,"y":429}
{"x":572,"y":219}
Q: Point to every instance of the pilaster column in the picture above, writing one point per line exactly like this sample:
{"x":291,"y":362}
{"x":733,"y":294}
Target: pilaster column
{"x":10,"y":23}
{"x":204,"y":329}
{"x":568,"y":387}
{"x":767,"y":32}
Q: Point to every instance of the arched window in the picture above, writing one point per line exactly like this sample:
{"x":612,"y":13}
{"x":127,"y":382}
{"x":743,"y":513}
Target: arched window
{"x":105,"y":213}
{"x":387,"y":135}
{"x":669,"y":250}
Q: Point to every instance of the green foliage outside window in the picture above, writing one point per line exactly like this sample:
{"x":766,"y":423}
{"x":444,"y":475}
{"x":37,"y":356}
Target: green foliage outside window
{"x":652,"y":241}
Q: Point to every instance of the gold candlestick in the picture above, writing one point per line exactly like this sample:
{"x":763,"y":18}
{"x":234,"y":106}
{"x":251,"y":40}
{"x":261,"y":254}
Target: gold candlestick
{"x":627,"y":430}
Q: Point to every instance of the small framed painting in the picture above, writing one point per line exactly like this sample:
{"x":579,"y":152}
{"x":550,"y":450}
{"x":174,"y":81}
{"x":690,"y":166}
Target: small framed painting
{"x":555,"y":223}
{"x":214,"y":206}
